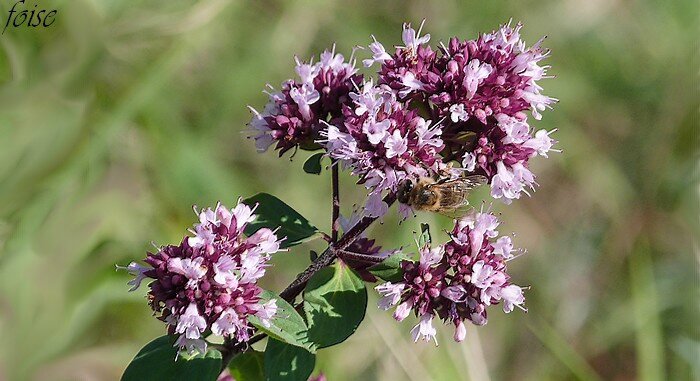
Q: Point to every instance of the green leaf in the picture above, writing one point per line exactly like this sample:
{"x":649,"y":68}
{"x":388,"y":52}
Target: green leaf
{"x":390,"y":268}
{"x":424,"y":238}
{"x":286,"y":326}
{"x":156,"y":361}
{"x":312,"y":165}
{"x":335,"y":301}
{"x":273,"y":213}
{"x":248,"y":366}
{"x":284,"y":362}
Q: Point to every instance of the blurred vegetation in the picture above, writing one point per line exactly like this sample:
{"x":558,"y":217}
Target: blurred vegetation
{"x":123,"y":114}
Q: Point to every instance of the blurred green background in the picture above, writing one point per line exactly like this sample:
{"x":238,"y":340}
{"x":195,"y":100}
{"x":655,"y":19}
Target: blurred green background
{"x":123,"y":114}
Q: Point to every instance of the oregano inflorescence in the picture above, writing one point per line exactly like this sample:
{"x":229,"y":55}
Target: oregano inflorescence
{"x":442,"y":112}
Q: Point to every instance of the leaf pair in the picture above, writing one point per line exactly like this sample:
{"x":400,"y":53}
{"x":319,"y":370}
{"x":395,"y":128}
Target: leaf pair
{"x":335,"y":301}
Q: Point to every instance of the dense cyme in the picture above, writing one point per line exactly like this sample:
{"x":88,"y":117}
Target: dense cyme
{"x":209,"y":281}
{"x":480,"y":90}
{"x":456,"y":281}
{"x":446,"y":111}
{"x":434,"y":123}
{"x":383,"y":143}
{"x":429,"y":110}
{"x":294,"y":116}
{"x":502,"y":151}
{"x":494,"y":74}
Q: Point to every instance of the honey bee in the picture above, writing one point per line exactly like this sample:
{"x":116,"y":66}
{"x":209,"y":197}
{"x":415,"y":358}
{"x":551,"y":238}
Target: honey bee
{"x":447,"y":196}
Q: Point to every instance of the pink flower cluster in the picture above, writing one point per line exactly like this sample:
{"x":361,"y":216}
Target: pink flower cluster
{"x":456,"y":281}
{"x":294,"y":116}
{"x":494,"y":74}
{"x":383,"y":143}
{"x":208,"y":283}
{"x":480,"y":89}
{"x":428,"y":112}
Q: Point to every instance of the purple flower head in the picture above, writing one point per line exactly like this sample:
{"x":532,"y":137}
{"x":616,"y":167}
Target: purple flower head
{"x":379,"y":53}
{"x":502,"y":151}
{"x":410,"y":70}
{"x":480,"y":90}
{"x":423,"y":281}
{"x":383,"y":143}
{"x":209,"y":280}
{"x":494,"y":74}
{"x":456,"y":281}
{"x":294,"y":116}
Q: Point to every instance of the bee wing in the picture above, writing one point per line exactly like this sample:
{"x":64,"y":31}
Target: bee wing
{"x":470,"y":182}
{"x":456,"y":213}
{"x":454,"y":193}
{"x":473,"y":181}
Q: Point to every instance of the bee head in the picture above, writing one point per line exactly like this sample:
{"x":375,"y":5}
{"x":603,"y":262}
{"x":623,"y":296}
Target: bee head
{"x":404,"y":190}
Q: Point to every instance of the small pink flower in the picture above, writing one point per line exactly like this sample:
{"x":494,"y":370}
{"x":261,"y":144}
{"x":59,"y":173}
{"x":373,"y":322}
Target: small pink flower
{"x":138,"y":272}
{"x":305,"y":96}
{"x":430,"y":257}
{"x":193,"y":269}
{"x":504,"y":186}
{"x":227,"y":324}
{"x":469,"y":162}
{"x":476,"y":72}
{"x":412,"y":39}
{"x":191,"y":323}
{"x":306,"y":72}
{"x":375,"y":206}
{"x":243,"y":214}
{"x":379,"y":54}
{"x":391,"y":294}
{"x":481,"y":274}
{"x":503,"y":247}
{"x":541,"y":143}
{"x":512,"y":296}
{"x":395,"y":145}
{"x":424,"y":330}
{"x":402,"y":311}
{"x":378,"y":132}
{"x":224,"y":274}
{"x":410,"y":83}
{"x":265,"y":240}
{"x":458,"y":113}
{"x":455,"y":293}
